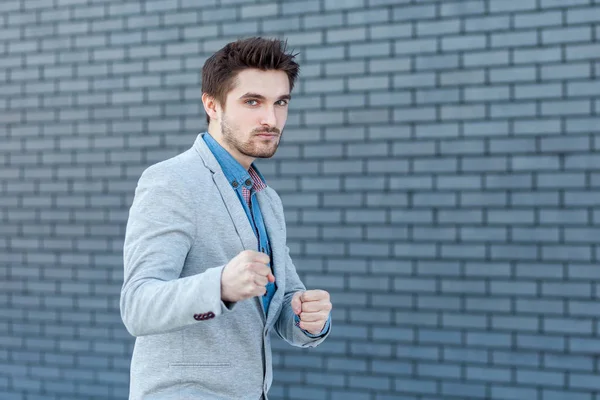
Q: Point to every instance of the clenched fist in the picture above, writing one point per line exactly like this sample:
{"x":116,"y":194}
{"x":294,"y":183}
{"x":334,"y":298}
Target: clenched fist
{"x":245,"y":276}
{"x":312,"y":307}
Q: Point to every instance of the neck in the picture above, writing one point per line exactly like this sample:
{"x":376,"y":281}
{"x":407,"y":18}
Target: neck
{"x":244,"y":160}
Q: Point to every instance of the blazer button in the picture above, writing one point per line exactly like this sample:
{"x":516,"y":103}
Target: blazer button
{"x":210,"y":315}
{"x":197,"y":317}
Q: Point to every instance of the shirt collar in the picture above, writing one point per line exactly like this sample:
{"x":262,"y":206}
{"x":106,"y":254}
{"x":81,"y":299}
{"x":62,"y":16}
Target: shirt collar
{"x":235,"y":173}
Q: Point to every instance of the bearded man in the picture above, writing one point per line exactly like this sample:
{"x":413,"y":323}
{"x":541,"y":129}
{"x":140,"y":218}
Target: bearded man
{"x":207,"y":272}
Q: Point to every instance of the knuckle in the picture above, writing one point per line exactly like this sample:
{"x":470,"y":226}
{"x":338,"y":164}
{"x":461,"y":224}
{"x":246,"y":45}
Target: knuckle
{"x":246,"y":254}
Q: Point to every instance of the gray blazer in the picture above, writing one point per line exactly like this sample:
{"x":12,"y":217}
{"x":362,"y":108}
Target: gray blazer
{"x":185,"y":224}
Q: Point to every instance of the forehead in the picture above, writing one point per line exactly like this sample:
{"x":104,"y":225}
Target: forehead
{"x":270,"y":83}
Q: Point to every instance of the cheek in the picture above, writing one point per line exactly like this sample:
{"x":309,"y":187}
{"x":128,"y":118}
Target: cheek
{"x":282,"y":116}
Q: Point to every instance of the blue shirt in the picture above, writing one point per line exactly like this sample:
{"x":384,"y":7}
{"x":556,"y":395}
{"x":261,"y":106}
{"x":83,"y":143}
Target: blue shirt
{"x":244,"y":185}
{"x":240,"y":178}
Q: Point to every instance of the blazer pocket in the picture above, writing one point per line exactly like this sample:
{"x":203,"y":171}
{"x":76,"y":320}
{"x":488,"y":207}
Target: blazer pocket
{"x":201,"y":365}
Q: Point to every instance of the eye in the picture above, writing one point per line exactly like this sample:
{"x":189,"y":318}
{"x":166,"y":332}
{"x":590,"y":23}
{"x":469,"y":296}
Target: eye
{"x":251,"y":102}
{"x":282,"y":103}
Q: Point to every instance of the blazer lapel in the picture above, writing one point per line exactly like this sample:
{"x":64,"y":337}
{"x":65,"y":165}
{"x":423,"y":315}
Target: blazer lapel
{"x":278,"y":256}
{"x":230,"y":198}
{"x":236,"y":212}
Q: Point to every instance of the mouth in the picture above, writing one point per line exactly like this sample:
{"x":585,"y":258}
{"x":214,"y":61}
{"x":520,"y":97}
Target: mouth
{"x":267,"y":135}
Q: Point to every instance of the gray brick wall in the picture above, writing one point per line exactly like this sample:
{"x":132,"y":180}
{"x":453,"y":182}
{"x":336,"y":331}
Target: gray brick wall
{"x":440,"y":172}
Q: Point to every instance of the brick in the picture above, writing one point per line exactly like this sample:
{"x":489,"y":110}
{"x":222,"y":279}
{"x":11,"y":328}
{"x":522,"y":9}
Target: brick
{"x":465,"y":390}
{"x":488,"y":339}
{"x":487,"y":93}
{"x":470,"y":77}
{"x":404,"y":115}
{"x":437,"y":96}
{"x":522,"y":109}
{"x":407,"y":13}
{"x":436,"y":62}
{"x":488,"y":374}
{"x":308,"y":7}
{"x":389,"y":99}
{"x":537,"y":127}
{"x":402,"y":81}
{"x":466,"y":112}
{"x":438,"y":370}
{"x":486,"y":58}
{"x":541,"y":55}
{"x":538,"y":91}
{"x":333,"y":5}
{"x":581,"y":198}
{"x":512,"y":74}
{"x":370,"y":50}
{"x":566,"y":107}
{"x":485,"y":128}
{"x":391,"y":367}
{"x":458,"y":182}
{"x":391,"y":31}
{"x":343,"y":68}
{"x":582,"y":88}
{"x":568,"y":362}
{"x":462,"y":8}
{"x":181,"y":18}
{"x":262,"y":10}
{"x":512,"y":393}
{"x":247,"y":28}
{"x":582,"y":272}
{"x":20,"y":18}
{"x":479,"y":234}
{"x":487,"y":23}
{"x":566,"y":35}
{"x":535,"y":163}
{"x":415,"y":46}
{"x":328,"y":20}
{"x":417,"y":385}
{"x":559,"y":394}
{"x":583,"y":345}
{"x":512,"y":146}
{"x":346,"y":35}
{"x":324,"y":86}
{"x":375,"y":16}
{"x":582,"y":14}
{"x":372,"y":82}
{"x":449,"y":26}
{"x":367,"y":184}
{"x":513,"y":5}
{"x":568,"y":326}
{"x":583,"y":381}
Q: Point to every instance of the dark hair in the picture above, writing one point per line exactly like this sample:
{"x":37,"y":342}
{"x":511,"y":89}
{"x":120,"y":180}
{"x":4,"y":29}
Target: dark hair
{"x":220,"y":70}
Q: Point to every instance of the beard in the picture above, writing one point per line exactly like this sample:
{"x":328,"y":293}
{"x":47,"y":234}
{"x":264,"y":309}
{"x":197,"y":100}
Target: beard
{"x":254,"y":146}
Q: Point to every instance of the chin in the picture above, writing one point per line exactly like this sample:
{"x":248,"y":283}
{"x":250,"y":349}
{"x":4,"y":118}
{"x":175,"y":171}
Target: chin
{"x":265,"y":153}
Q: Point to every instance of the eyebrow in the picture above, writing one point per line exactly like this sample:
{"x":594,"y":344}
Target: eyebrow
{"x":261,"y":97}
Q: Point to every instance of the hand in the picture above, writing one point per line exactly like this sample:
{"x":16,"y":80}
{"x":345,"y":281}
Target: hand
{"x":245,"y":276}
{"x":313,"y":307}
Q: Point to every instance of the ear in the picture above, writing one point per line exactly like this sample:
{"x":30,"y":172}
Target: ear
{"x":210,"y":106}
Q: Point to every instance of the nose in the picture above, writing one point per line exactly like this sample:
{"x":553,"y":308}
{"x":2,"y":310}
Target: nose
{"x":268,"y":117}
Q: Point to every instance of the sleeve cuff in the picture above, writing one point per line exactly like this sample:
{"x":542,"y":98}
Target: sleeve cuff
{"x":323,"y":332}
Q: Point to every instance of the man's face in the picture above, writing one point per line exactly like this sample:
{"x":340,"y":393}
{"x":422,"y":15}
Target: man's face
{"x":255,"y":113}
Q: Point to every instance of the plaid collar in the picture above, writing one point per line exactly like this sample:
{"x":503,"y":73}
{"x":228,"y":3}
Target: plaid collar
{"x":237,"y":175}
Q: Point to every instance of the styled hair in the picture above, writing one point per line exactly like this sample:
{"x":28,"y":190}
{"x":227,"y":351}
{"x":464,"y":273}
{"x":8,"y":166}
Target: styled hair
{"x":220,"y":70}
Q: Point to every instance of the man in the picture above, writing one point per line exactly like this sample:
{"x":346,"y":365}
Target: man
{"x":208,"y":274}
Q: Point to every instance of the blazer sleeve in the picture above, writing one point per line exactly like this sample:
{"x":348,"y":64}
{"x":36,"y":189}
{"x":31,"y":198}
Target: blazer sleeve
{"x":160,"y":231}
{"x":286,"y":326}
